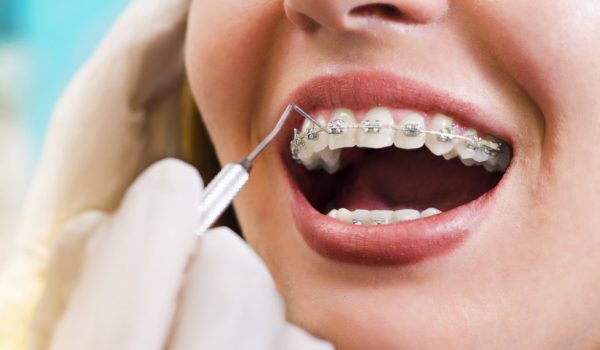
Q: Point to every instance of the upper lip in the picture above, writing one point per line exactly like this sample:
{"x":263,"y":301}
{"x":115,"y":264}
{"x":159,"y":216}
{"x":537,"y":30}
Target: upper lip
{"x":399,"y":243}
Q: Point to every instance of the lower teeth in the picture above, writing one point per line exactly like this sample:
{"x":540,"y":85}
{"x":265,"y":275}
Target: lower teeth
{"x":380,"y":217}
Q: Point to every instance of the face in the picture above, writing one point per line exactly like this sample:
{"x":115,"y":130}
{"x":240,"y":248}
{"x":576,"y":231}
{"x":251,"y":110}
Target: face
{"x":510,"y":88}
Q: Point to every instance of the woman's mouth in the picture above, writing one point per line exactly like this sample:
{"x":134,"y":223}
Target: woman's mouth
{"x":384,"y":166}
{"x":389,"y":185}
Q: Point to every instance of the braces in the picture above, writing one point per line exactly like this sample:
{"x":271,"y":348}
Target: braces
{"x":338,"y":126}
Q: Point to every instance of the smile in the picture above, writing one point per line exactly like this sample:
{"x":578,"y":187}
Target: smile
{"x":320,"y":145}
{"x":395,"y":184}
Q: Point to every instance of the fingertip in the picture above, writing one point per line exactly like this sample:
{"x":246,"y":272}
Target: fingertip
{"x":173,"y":173}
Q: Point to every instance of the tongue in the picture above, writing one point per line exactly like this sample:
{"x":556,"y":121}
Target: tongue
{"x":392,"y":179}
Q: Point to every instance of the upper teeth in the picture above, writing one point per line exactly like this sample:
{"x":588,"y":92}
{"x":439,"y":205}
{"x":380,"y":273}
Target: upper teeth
{"x":320,"y":145}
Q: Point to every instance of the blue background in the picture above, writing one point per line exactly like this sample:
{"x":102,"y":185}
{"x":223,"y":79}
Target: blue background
{"x":56,"y":36}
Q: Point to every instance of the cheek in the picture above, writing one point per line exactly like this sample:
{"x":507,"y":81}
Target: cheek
{"x":549,"y":47}
{"x":227,"y":44}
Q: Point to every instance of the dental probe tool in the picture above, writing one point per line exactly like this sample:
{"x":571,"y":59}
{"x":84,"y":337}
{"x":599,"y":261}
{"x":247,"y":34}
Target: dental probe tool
{"x":226,"y":185}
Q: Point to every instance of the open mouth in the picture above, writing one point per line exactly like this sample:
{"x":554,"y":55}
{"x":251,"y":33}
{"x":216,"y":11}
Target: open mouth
{"x":370,"y":184}
{"x":384,"y":166}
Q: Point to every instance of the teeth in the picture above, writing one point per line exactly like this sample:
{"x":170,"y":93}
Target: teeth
{"x":310,"y":159}
{"x":498,"y":163}
{"x":430,"y":212}
{"x":468,"y":162}
{"x":480,"y":156}
{"x":330,"y":159}
{"x":306,"y":155}
{"x":344,"y":215}
{"x":406,"y":215}
{"x":440,"y":144}
{"x":466,"y":150}
{"x":450,"y":155}
{"x":408,"y":136}
{"x":376,"y":129}
{"x":489,"y":167}
{"x":321,"y":141}
{"x":347,"y":138}
{"x":503,"y":160}
{"x":361,"y":217}
{"x":380,"y":217}
{"x":316,"y":148}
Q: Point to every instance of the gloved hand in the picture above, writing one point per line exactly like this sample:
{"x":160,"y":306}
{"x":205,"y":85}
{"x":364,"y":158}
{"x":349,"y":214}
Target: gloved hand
{"x":137,"y":279}
{"x":119,"y":114}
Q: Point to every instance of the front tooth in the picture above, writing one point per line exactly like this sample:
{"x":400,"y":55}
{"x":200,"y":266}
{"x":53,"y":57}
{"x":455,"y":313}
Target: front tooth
{"x":330,"y":159}
{"x":376,"y":130}
{"x":347,"y":138}
{"x":382,"y":217}
{"x":321,"y":141}
{"x":430,"y":212}
{"x":408,"y":135}
{"x":438,"y":144}
{"x":361,"y":217}
{"x":345,"y":215}
{"x":406,"y":215}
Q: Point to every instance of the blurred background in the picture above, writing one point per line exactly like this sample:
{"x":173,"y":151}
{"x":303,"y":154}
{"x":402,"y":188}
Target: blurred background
{"x":42,"y":44}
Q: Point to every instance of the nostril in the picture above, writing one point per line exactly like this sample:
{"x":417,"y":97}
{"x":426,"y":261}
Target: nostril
{"x":383,"y":11}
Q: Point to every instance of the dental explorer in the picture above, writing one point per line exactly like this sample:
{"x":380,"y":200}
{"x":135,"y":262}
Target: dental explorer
{"x":226,"y":185}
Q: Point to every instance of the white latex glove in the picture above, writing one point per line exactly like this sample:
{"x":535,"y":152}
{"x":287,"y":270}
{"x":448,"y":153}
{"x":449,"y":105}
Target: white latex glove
{"x":136,"y":279}
{"x":119,"y":114}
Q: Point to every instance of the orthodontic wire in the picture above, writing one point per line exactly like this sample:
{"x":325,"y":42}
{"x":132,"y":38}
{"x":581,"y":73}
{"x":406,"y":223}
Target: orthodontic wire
{"x":491,"y":145}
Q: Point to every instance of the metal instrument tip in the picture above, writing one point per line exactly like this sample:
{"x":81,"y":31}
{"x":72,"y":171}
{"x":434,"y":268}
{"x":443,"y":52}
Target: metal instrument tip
{"x":247,"y":162}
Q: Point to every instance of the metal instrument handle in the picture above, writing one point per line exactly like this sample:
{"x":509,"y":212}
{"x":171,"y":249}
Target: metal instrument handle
{"x":219,"y":193}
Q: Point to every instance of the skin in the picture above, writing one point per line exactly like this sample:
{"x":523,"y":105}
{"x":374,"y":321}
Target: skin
{"x":528,"y":277}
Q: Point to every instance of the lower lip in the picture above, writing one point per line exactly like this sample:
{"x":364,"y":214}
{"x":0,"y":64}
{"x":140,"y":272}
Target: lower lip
{"x":395,"y":244}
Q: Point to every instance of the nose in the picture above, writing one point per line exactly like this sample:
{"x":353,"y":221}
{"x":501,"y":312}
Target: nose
{"x":357,"y":15}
